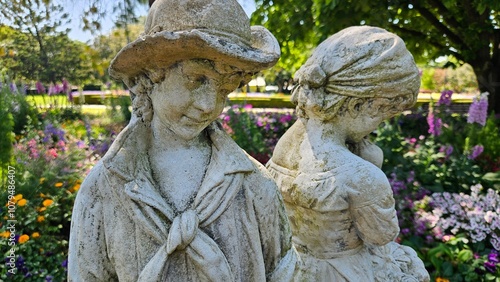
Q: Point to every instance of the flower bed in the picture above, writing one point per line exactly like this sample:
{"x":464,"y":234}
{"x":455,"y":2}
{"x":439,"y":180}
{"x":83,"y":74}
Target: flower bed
{"x":444,"y":170}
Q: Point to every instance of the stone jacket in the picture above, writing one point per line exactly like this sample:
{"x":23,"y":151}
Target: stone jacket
{"x":124,"y":230}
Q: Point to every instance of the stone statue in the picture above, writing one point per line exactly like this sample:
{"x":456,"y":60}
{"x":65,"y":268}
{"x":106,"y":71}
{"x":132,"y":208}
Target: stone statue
{"x":175,"y":199}
{"x":339,"y":202}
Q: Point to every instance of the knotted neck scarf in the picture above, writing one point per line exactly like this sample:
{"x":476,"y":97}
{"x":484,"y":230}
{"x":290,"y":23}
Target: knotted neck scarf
{"x":148,"y":209}
{"x":185,"y":233}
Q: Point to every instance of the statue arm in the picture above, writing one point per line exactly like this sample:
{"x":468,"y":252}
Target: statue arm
{"x":88,"y":259}
{"x":372,"y":208}
{"x":280,"y":257}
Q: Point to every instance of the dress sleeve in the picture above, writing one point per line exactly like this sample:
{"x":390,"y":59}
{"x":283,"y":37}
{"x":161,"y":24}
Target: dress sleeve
{"x":372,"y":208}
{"x":88,"y":260}
{"x":280,"y":257}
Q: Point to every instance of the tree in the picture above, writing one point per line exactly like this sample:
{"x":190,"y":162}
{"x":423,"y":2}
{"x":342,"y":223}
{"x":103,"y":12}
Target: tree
{"x":105,"y":47}
{"x":465,"y":29}
{"x":124,"y":10}
{"x":35,"y":46}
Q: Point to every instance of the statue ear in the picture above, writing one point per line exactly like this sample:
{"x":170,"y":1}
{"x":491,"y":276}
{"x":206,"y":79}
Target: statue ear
{"x":354,"y":107}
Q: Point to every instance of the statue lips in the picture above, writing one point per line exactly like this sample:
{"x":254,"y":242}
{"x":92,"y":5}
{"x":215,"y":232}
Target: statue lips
{"x":195,"y":121}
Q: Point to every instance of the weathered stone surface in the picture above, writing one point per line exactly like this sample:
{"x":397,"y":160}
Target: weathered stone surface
{"x":339,"y":202}
{"x":175,"y":199}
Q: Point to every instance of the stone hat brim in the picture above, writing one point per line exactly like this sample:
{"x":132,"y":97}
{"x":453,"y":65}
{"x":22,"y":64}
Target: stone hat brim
{"x":163,"y":49}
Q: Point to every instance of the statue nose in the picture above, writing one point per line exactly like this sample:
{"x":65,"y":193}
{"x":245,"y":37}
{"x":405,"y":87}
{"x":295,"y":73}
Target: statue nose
{"x":206,"y":100}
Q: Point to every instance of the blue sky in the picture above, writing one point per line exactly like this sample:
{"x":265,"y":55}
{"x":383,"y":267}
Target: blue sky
{"x":107,"y":23}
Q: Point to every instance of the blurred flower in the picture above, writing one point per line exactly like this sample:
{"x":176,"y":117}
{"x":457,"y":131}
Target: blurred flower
{"x":5,"y":234}
{"x":64,"y":264}
{"x":445,"y":98}
{"x":52,"y":89}
{"x":22,"y":202}
{"x":435,"y":123}
{"x":18,"y":197}
{"x":58,"y":184}
{"x":42,"y":180}
{"x":47,"y":202}
{"x":65,"y":86}
{"x":75,"y":188}
{"x":35,"y":235}
{"x":476,"y":151}
{"x":23,"y":239}
{"x":448,"y":151}
{"x":13,"y":88}
{"x":478,"y":110}
{"x":51,"y":154}
{"x":492,"y":262}
{"x":39,"y":87}
{"x":51,"y":132}
{"x":440,"y":279}
{"x":40,"y":218}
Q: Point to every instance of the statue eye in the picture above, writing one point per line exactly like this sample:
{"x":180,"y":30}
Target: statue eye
{"x":196,"y":81}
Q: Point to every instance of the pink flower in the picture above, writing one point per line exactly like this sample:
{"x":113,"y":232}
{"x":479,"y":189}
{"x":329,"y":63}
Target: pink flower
{"x":51,"y":154}
{"x":435,"y":124}
{"x":39,"y":87}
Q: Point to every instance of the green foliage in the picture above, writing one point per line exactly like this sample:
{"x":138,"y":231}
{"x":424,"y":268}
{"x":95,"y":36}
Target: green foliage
{"x":6,"y":128}
{"x":430,"y":29}
{"x":36,"y":47}
{"x":460,"y":79}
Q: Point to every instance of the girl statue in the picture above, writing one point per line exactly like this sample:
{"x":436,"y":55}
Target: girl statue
{"x":175,"y":199}
{"x":339,"y":202}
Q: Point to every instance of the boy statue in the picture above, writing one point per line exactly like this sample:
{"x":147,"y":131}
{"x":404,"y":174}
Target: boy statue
{"x":175,"y":199}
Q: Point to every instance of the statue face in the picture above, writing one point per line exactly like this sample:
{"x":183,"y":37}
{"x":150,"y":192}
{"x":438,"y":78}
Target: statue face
{"x":191,"y":96}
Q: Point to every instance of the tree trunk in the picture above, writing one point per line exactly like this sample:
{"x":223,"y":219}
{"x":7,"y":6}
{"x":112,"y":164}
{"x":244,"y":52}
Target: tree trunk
{"x":488,"y":79}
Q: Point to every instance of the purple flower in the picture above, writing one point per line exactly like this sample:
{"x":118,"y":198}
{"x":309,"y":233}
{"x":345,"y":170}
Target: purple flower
{"x":13,"y":88}
{"x":64,"y":264}
{"x":49,"y":278}
{"x":51,"y":131}
{"x":65,"y":86}
{"x":448,"y":151}
{"x":493,"y":257}
{"x":88,"y":129}
{"x":445,"y":98}
{"x":80,"y":144}
{"x":491,"y":267}
{"x":478,"y":110}
{"x":52,"y":89}
{"x":476,"y":151}
{"x":435,"y":124}
{"x":58,"y":88}
{"x":39,"y":87}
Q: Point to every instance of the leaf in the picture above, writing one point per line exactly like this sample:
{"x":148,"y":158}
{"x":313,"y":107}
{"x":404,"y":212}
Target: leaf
{"x":465,"y":255}
{"x":492,"y":176}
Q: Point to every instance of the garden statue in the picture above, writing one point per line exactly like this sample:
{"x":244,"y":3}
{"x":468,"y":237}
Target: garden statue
{"x":339,"y":202}
{"x":175,"y":199}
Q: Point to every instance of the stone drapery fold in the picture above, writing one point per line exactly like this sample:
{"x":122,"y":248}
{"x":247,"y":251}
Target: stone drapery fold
{"x":148,"y":208}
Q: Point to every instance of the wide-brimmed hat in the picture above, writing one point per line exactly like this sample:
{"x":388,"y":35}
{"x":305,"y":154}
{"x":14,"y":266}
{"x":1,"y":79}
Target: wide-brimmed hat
{"x":178,"y":30}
